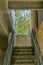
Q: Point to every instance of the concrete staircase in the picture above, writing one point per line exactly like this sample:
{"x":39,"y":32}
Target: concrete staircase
{"x":23,"y":56}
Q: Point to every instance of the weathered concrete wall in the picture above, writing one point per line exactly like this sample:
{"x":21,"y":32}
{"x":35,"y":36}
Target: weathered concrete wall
{"x":4,"y":5}
{"x":34,"y":19}
{"x":3,"y":42}
{"x":4,"y":24}
{"x":25,"y":4}
{"x":4,"y":16}
{"x":40,"y":18}
{"x":40,"y":30}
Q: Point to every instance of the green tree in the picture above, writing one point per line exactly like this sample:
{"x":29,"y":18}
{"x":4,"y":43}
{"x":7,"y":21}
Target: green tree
{"x":23,"y":20}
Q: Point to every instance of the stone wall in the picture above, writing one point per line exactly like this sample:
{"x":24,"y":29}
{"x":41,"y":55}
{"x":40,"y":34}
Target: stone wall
{"x":4,"y":16}
{"x":40,"y":17}
{"x":3,"y":42}
{"x":34,"y":19}
{"x":4,"y":24}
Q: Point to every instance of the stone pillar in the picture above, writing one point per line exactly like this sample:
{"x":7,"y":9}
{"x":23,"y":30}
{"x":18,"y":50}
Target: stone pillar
{"x":34,"y":17}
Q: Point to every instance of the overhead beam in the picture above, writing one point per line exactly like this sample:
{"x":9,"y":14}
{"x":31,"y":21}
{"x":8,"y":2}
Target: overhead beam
{"x":28,"y":0}
{"x":25,"y":4}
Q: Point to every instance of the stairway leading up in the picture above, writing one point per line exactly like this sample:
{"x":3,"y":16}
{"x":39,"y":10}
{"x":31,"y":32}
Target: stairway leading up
{"x":23,"y":56}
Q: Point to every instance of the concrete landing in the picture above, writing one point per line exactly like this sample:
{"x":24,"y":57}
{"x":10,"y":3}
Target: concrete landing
{"x":23,"y":40}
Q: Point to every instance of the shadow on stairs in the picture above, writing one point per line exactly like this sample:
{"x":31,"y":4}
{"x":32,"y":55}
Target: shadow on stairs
{"x":23,"y":56}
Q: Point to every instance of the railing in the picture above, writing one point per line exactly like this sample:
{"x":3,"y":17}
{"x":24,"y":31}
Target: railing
{"x":11,"y":19}
{"x":36,"y":48}
{"x":8,"y":55}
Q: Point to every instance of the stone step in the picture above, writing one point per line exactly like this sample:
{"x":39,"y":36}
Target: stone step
{"x":24,"y":60}
{"x":25,"y":56}
{"x":23,"y":64}
{"x":22,"y":53}
{"x":26,"y":50}
{"x":23,"y":50}
{"x":27,"y":47}
{"x":27,"y":62}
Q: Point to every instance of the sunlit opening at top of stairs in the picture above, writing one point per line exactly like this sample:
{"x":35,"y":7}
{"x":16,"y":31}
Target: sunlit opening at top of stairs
{"x":21,"y":21}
